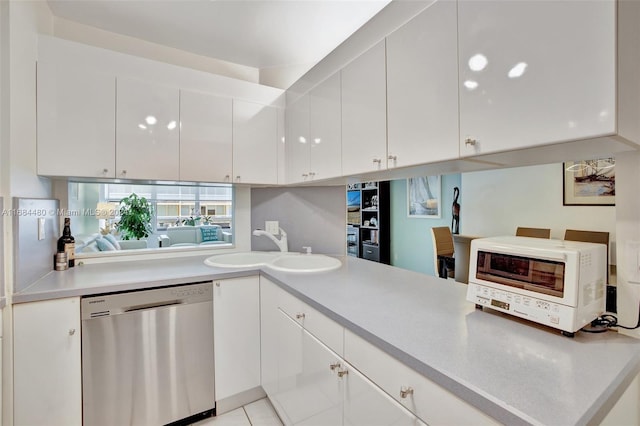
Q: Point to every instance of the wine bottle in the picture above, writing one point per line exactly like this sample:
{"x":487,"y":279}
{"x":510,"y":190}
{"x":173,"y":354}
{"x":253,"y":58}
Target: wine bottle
{"x":67,"y":244}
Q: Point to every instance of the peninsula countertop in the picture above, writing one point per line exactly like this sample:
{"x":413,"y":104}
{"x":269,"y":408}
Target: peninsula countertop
{"x":513,"y":370}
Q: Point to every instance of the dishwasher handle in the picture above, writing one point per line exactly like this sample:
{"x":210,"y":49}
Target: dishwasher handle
{"x":152,"y":306}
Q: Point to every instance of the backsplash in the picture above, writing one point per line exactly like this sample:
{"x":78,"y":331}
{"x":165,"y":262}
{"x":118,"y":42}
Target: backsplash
{"x":311,"y":216}
{"x":33,"y":258}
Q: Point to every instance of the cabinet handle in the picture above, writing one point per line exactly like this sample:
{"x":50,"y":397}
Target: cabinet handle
{"x":393,"y":157}
{"x":304,"y":175}
{"x":406,"y":391}
{"x":238,"y":178}
{"x":334,"y":366}
{"x":217,"y":284}
{"x":377,"y":160}
{"x":299,"y":316}
{"x":469,"y":141}
{"x":72,"y":331}
{"x":343,"y":372}
{"x":124,"y":173}
{"x":226,"y":178}
{"x":312,"y":174}
{"x":105,"y":171}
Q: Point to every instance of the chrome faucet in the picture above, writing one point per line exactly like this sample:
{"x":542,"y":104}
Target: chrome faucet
{"x":281,"y":243}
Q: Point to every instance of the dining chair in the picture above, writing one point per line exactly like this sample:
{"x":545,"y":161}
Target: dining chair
{"x":443,"y":251}
{"x":533,"y":232}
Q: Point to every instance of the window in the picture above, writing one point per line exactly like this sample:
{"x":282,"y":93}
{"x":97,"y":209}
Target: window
{"x":173,"y":205}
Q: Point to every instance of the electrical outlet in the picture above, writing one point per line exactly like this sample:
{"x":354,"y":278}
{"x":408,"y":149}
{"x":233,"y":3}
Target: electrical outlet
{"x":41,"y":233}
{"x":272,"y":227}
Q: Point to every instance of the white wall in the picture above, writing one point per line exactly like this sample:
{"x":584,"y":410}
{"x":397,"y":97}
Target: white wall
{"x":496,"y":202}
{"x":125,"y":44}
{"x":628,"y":228}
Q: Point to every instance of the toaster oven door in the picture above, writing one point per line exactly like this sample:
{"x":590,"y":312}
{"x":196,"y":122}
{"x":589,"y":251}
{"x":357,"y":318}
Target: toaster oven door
{"x":542,"y":276}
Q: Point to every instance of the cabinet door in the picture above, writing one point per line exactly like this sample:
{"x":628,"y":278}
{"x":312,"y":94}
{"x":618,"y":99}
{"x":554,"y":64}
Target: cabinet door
{"x":367,"y":404}
{"x":422,"y":88}
{"x":255,"y":132}
{"x":147,"y":131}
{"x":205,"y":137}
{"x":76,"y":122}
{"x":298,"y":140}
{"x":325,"y":130}
{"x":47,"y":374}
{"x":535,"y":72}
{"x":364,"y":113}
{"x":428,"y":401}
{"x":269,"y":335}
{"x":236,"y":313}
{"x":309,"y":391}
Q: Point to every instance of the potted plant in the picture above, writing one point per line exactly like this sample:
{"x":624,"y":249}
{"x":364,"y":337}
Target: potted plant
{"x":135,"y":217}
{"x":192,"y":221}
{"x":206,"y":220}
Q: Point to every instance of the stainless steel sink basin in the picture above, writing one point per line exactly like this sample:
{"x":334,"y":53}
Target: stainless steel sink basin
{"x":279,"y":261}
{"x":242,"y":259}
{"x":304,"y":263}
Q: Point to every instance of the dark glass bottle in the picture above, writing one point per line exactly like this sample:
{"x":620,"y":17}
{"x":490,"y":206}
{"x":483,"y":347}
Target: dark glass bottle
{"x":66,"y":243}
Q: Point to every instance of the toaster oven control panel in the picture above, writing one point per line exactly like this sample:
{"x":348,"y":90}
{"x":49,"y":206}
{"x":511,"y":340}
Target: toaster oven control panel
{"x":530,"y":308}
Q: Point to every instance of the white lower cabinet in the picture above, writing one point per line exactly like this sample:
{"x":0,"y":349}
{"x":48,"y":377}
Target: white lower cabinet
{"x":47,"y":382}
{"x":308,"y":382}
{"x":236,"y":316}
{"x":427,"y":400}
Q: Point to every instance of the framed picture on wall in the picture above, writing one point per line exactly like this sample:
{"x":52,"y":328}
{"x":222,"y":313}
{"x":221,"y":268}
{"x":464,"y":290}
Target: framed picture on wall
{"x":424,"y":198}
{"x":589,"y":182}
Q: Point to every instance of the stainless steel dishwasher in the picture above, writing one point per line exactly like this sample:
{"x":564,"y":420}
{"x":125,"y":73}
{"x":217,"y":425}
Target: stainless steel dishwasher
{"x":147,"y":356}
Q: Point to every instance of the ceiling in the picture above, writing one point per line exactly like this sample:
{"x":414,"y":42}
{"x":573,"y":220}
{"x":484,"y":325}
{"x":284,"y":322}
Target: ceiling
{"x":260,"y":34}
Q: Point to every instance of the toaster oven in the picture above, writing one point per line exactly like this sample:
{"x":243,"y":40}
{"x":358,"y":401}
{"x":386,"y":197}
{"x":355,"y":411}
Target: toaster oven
{"x":561,"y":284}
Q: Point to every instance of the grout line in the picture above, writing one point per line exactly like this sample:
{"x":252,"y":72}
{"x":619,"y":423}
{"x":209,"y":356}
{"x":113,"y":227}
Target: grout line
{"x":247,"y":415}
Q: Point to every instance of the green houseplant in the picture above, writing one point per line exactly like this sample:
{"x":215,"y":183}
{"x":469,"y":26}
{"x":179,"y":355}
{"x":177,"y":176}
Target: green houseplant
{"x":135,"y":217}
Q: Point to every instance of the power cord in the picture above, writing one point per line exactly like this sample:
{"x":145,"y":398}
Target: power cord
{"x":605,"y":323}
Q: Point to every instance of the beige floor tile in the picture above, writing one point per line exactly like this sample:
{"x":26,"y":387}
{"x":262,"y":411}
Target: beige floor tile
{"x":261,"y":413}
{"x":236,"y":417}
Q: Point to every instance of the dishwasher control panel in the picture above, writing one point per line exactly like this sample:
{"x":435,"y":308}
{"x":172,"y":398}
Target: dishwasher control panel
{"x":140,"y":300}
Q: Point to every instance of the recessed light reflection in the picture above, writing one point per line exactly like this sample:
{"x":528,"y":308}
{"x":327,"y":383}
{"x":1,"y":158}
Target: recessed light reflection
{"x":470,"y":84}
{"x":142,"y":126}
{"x":478,"y":62}
{"x":172,"y":125}
{"x":151,"y":120}
{"x":302,"y":139}
{"x":317,"y":140}
{"x":517,"y":70}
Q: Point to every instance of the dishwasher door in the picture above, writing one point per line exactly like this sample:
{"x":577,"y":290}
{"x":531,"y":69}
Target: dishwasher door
{"x":147,"y":356}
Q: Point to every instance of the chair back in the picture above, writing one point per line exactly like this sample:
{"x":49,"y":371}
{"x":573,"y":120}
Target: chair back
{"x":442,"y":244}
{"x":600,"y":237}
{"x":533,"y":232}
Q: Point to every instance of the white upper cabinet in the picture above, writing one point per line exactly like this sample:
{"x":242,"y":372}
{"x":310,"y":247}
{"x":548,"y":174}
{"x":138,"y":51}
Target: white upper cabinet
{"x":422,"y":88}
{"x":298,"y":140}
{"x":364,"y":113}
{"x":76,"y":122}
{"x":534,"y":72}
{"x":325,"y":129}
{"x":147,"y":131}
{"x":255,"y":133}
{"x":205,"y":137}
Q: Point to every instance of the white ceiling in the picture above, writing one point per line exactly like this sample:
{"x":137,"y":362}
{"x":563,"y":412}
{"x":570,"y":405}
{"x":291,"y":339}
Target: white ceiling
{"x":259,"y":34}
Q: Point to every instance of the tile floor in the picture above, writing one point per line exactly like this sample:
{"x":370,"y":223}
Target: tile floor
{"x":258,"y":413}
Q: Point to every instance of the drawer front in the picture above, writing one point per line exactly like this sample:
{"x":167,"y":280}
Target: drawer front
{"x":319,"y":325}
{"x":371,"y":252}
{"x":430,"y":402}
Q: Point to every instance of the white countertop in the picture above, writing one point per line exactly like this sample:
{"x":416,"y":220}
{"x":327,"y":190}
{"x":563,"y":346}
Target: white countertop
{"x":513,"y":370}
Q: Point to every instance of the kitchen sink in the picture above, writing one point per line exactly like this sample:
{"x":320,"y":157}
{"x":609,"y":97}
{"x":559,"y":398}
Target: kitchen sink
{"x":304,"y":263}
{"x":242,"y":259}
{"x":279,"y":261}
